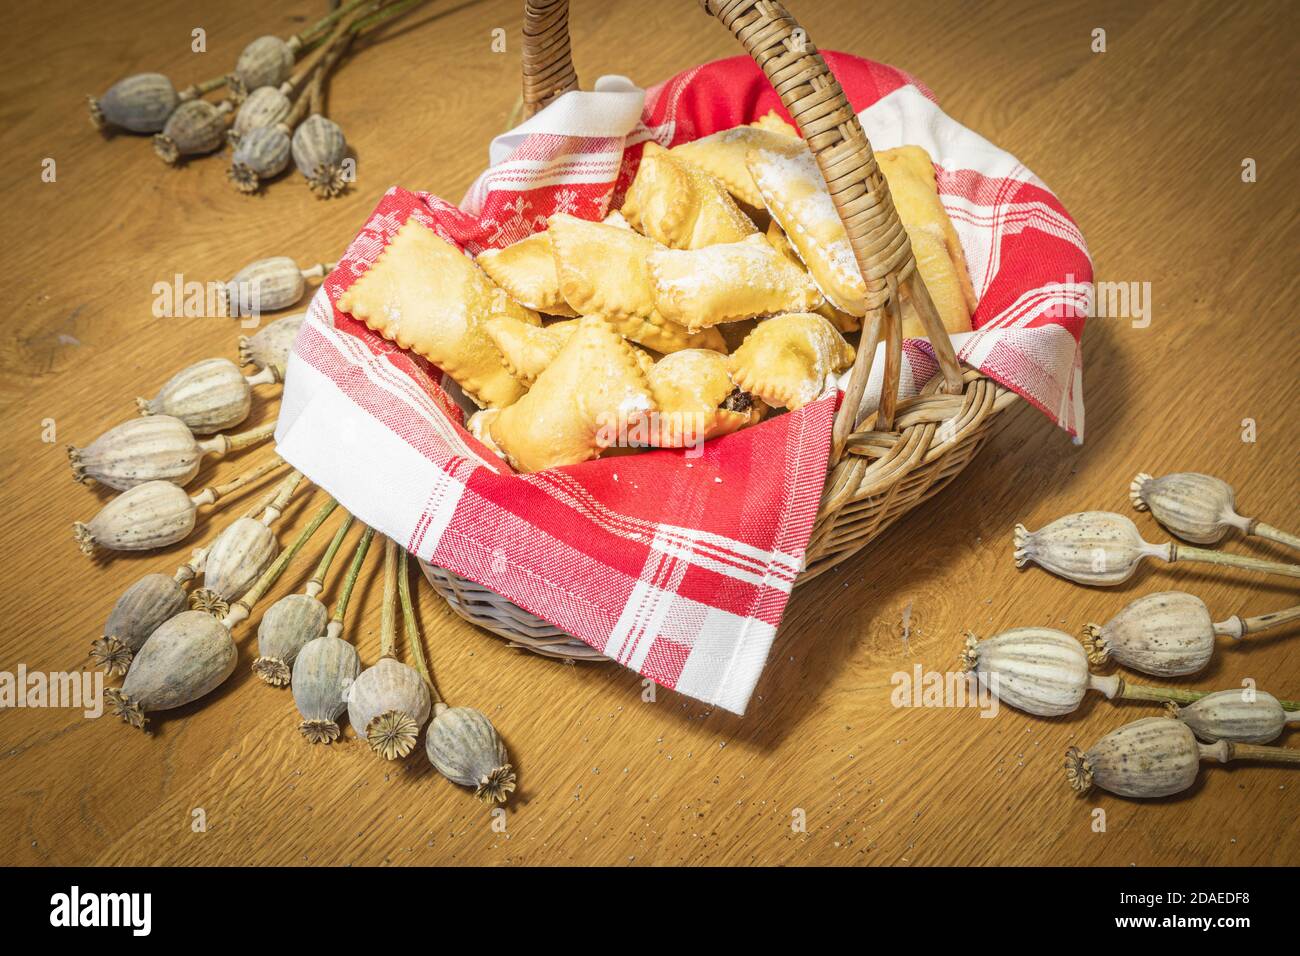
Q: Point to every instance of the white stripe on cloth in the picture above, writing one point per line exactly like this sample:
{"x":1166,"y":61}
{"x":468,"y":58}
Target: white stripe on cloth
{"x":612,"y":109}
{"x":356,"y":437}
{"x":712,"y":552}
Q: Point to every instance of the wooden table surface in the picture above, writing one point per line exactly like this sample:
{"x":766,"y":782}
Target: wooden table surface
{"x":1144,"y":143}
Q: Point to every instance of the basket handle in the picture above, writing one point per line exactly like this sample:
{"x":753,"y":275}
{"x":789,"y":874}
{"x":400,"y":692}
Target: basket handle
{"x":548,"y":61}
{"x":814,"y":98}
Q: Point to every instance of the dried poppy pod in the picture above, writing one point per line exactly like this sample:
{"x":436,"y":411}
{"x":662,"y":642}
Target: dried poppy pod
{"x":286,"y":628}
{"x":265,"y":106}
{"x":156,"y":448}
{"x":326,"y":667}
{"x":1156,"y":757}
{"x":294,"y":621}
{"x":319,"y":149}
{"x":390,"y":702}
{"x":1248,"y":716}
{"x":465,"y":748}
{"x":140,"y":104}
{"x":269,"y":284}
{"x":141,"y":609}
{"x":1198,"y":508}
{"x":154,"y":514}
{"x":208,"y":396}
{"x":262,"y":154}
{"x":323,"y":673}
{"x":1045,"y":671}
{"x":239,"y":555}
{"x":269,"y":347}
{"x":151,"y":515}
{"x":387,"y":706}
{"x":267,"y":61}
{"x":187,"y":657}
{"x":236,"y":558}
{"x":193,"y":653}
{"x":1169,"y":633}
{"x":1103,"y":548}
{"x":194,"y":127}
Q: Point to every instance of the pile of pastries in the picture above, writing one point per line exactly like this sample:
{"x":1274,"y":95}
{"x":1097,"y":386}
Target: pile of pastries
{"x":722,"y":291}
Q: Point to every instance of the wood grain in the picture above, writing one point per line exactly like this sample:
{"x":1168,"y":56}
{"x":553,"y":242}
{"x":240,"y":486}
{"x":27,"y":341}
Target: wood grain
{"x":1144,"y":143}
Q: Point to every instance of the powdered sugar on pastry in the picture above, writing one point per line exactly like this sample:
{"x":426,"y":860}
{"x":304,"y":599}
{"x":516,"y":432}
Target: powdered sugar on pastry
{"x":679,"y":205}
{"x":796,"y":195}
{"x":704,"y":287}
{"x":723,"y":154}
{"x":594,"y":391}
{"x":696,"y":399}
{"x":604,"y":271}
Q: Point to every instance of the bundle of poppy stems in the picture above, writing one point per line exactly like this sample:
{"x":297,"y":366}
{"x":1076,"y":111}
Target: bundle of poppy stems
{"x":173,"y":638}
{"x":273,"y":109}
{"x":1046,"y":672}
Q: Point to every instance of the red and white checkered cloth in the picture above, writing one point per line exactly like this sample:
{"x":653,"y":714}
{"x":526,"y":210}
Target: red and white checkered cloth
{"x":677,"y":567}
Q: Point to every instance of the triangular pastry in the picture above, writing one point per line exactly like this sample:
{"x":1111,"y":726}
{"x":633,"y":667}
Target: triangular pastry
{"x":526,"y":270}
{"x":787,"y":360}
{"x":427,"y":296}
{"x":594,"y":393}
{"x":679,"y":205}
{"x":527,"y":349}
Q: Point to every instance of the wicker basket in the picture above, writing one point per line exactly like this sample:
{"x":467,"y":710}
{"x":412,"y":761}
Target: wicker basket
{"x":880,"y":467}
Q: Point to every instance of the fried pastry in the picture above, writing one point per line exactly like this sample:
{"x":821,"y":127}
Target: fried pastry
{"x":680,"y":205}
{"x":603,"y":270}
{"x":788,"y":359}
{"x":696,"y":400}
{"x":526,"y":270}
{"x":796,"y":195}
{"x":938,"y":251}
{"x":593,"y":393}
{"x":699,"y":288}
{"x":723,"y":156}
{"x":771,"y":121}
{"x":527,"y":349}
{"x":841,"y":320}
{"x":427,"y":296}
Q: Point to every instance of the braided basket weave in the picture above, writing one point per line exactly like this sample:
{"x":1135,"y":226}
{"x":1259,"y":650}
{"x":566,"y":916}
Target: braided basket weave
{"x":880,"y":467}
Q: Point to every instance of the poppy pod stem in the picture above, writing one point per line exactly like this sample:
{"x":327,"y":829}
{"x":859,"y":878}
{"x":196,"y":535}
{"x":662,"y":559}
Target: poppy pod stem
{"x":1116,"y":687}
{"x":322,"y":26}
{"x":1187,"y":552}
{"x":1226,"y":750}
{"x":387,"y":619}
{"x":1262,"y":530}
{"x":195,"y":90}
{"x":411,"y":629}
{"x":317,"y":583}
{"x":349,"y":582}
{"x":1238,"y":627}
{"x":244,"y":606}
{"x":214,"y":493}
